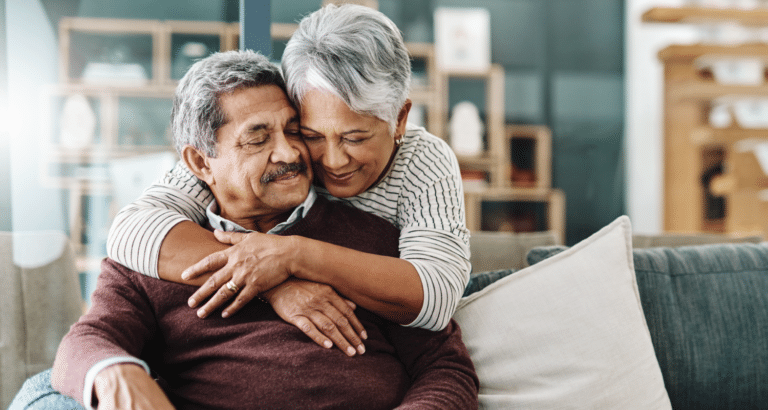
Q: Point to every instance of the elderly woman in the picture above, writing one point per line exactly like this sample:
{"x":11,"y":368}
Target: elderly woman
{"x":348,"y":72}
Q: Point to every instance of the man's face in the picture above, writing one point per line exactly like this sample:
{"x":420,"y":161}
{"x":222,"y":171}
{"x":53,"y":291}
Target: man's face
{"x":261,"y":169}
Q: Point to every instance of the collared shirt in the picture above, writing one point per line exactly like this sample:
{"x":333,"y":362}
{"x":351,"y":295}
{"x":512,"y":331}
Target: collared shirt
{"x":217,"y":222}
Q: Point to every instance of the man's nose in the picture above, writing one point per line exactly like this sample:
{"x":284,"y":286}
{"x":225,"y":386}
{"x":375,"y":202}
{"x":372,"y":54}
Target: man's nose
{"x":284,"y":151}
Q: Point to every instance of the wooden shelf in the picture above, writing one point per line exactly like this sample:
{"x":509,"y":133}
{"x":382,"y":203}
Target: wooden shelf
{"x":553,"y":198}
{"x":706,"y":136}
{"x":691,"y":52}
{"x":694,"y":150}
{"x":699,"y":15}
{"x":495,"y":162}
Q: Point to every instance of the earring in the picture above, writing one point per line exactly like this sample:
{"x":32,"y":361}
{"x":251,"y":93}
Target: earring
{"x":399,"y":141}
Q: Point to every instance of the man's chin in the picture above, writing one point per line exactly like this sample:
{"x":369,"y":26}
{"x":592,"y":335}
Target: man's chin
{"x":289,"y":189}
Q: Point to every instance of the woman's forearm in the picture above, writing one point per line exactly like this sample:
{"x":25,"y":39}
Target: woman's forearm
{"x":390,"y":287}
{"x":186,"y":244}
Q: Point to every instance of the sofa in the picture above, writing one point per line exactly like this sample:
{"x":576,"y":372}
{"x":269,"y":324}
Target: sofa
{"x":606,"y":325}
{"x":600,"y":325}
{"x":39,"y":300}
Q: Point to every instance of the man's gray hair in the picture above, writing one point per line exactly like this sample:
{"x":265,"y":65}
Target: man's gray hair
{"x":197,"y":114}
{"x":356,"y":53}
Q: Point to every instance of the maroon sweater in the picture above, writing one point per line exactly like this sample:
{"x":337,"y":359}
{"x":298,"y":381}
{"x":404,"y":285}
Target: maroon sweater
{"x":255,"y":360}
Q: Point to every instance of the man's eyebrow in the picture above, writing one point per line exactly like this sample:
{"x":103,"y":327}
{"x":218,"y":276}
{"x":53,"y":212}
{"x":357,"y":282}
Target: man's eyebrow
{"x":257,"y":127}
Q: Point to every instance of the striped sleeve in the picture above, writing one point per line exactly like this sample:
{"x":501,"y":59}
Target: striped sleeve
{"x":441,"y":259}
{"x":434,"y":237}
{"x":139,"y":228}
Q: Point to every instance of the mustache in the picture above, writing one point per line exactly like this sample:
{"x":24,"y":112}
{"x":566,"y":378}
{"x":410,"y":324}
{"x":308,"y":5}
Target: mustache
{"x":299,"y":167}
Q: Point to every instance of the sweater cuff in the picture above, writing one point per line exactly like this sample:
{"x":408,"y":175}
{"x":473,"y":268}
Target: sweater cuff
{"x":90,"y":377}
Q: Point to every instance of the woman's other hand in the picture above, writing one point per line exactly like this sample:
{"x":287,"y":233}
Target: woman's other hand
{"x":320,"y":313}
{"x":255,"y":263}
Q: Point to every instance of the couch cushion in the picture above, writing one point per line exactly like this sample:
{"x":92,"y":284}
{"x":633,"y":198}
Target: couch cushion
{"x":566,"y":333}
{"x":505,"y":250}
{"x":707,"y":308}
{"x":38,"y":303}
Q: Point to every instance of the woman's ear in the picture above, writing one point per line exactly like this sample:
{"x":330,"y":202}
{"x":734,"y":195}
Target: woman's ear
{"x":402,"y":117}
{"x":198,"y":163}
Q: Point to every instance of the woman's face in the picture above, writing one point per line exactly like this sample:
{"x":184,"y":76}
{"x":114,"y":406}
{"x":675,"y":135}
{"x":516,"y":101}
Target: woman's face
{"x":349,"y":151}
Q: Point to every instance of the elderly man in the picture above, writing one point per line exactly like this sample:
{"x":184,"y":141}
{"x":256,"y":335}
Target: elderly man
{"x":140,"y":346}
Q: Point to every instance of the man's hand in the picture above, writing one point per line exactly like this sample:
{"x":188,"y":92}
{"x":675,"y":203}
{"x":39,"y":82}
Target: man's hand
{"x":255,"y":264}
{"x":320,"y":312}
{"x":128,"y":386}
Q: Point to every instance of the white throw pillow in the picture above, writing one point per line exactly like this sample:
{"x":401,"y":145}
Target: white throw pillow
{"x":566,"y":333}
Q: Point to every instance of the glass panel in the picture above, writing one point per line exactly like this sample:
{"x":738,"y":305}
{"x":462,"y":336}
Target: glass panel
{"x":144,"y":122}
{"x":188,"y":48}
{"x":111,"y":58}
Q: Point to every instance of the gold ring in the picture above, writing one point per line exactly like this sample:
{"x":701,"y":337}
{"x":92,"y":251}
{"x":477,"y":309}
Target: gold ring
{"x":232,"y":286}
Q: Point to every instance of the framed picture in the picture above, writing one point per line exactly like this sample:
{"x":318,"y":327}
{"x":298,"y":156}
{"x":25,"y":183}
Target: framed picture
{"x":463,"y":39}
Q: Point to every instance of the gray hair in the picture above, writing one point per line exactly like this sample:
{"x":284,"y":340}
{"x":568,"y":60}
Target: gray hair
{"x":356,"y":53}
{"x":197,"y":114}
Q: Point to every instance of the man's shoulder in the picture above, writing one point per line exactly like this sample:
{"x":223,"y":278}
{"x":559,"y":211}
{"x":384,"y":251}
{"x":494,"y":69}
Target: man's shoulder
{"x":342,"y":211}
{"x":341,"y":224}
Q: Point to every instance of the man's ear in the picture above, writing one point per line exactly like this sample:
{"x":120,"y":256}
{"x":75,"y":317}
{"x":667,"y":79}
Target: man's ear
{"x":198,"y":163}
{"x":402,"y":117}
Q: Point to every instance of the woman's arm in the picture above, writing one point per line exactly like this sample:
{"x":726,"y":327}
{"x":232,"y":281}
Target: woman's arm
{"x":387,"y":286}
{"x":142,"y":229}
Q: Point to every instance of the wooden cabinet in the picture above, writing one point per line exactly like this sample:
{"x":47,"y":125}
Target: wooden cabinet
{"x":700,"y":164}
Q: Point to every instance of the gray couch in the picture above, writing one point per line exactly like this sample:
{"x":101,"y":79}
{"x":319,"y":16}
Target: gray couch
{"x":706,"y":306}
{"x":39,"y":300}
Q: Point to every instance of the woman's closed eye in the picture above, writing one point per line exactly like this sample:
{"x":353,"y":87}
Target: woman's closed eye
{"x":311,"y":137}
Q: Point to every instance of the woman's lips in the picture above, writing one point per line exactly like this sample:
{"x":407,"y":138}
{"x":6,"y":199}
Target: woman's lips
{"x":339,"y":177}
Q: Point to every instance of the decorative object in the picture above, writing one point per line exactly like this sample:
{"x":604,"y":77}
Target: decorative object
{"x":78,"y":122}
{"x":115,"y":65}
{"x":188,"y":54}
{"x":466,"y":129}
{"x":463,"y":39}
{"x":751,"y":112}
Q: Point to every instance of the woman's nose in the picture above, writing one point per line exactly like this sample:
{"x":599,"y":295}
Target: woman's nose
{"x":334,"y":157}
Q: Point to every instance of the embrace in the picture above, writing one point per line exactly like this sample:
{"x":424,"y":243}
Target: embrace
{"x":305,"y":201}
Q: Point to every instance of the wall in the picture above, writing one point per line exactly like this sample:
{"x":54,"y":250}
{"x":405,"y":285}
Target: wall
{"x":5,"y":156}
{"x":644,"y":111}
{"x":564,"y":67}
{"x":31,"y":64}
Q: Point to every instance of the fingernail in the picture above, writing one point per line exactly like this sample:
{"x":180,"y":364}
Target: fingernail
{"x":185,"y":275}
{"x":361,"y":349}
{"x":364,"y":335}
{"x":201,"y":313}
{"x":351,"y":351}
{"x":328,"y":344}
{"x":191,"y":302}
{"x":225,"y":314}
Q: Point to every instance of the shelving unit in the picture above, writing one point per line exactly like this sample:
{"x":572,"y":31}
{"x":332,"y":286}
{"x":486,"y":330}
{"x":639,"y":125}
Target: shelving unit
{"x":158,"y":40}
{"x":692,"y":146}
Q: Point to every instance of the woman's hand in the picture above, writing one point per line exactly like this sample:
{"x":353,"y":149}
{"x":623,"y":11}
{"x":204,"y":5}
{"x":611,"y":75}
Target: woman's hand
{"x":320,"y":313}
{"x":254,"y":264}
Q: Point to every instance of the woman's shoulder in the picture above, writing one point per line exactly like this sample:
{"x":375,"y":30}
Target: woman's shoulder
{"x":421,"y":148}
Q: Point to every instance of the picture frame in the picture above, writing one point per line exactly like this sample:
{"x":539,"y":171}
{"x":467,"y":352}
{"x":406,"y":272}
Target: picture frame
{"x":463,"y":39}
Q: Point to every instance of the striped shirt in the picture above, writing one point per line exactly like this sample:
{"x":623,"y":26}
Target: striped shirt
{"x":421,"y":194}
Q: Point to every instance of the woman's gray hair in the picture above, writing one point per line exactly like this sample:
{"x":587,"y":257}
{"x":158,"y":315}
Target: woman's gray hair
{"x":356,"y":53}
{"x":197,"y":114}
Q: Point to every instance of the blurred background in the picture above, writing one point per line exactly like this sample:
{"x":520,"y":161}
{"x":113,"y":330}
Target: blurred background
{"x":588,"y":109}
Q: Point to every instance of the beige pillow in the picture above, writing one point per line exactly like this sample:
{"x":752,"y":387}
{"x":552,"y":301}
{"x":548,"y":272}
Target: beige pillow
{"x":566,"y":333}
